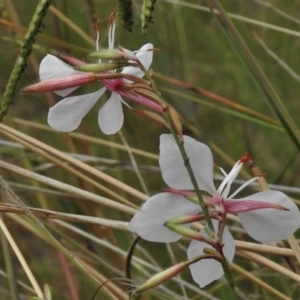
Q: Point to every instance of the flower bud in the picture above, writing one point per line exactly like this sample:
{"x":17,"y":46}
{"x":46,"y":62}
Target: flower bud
{"x":113,"y":54}
{"x":102,"y":67}
{"x":186,"y":219}
{"x":161,"y":277}
{"x":174,"y":116}
{"x":62,"y":83}
{"x":171,"y":272}
{"x":153,"y":116}
{"x":149,"y":95}
{"x":72,"y":60}
{"x":187,"y":232}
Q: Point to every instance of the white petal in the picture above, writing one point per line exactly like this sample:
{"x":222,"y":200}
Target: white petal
{"x":145,"y":57}
{"x":173,"y":169}
{"x":149,"y":222}
{"x":51,"y":67}
{"x":110,"y":117}
{"x":206,"y":271}
{"x":67,"y":114}
{"x":271,"y":225}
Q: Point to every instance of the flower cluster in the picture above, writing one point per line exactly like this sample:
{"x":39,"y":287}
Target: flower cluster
{"x":63,"y":79}
{"x":267,"y":216}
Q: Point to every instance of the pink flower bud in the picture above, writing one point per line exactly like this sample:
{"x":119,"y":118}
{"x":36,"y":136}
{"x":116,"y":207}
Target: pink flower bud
{"x":148,"y":94}
{"x":72,"y":60}
{"x":57,"y":84}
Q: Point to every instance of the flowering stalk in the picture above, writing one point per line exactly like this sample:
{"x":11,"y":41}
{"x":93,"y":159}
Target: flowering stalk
{"x":179,"y":142}
{"x":193,"y":178}
{"x":182,"y":151}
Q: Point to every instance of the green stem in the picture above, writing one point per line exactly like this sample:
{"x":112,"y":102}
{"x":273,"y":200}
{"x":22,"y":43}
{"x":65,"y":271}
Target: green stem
{"x":183,"y":153}
{"x":180,"y":144}
{"x":228,"y":276}
{"x":21,"y":62}
{"x":224,"y":262}
{"x":189,"y":169}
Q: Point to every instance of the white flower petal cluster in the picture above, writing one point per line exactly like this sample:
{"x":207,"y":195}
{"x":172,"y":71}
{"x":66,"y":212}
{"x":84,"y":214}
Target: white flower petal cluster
{"x":264,"y":225}
{"x":67,"y":114}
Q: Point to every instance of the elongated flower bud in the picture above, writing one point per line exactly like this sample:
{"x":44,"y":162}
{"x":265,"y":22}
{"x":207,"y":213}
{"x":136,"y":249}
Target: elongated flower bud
{"x":186,"y":219}
{"x":161,"y":277}
{"x":187,"y":232}
{"x":72,"y":60}
{"x":62,"y":83}
{"x":171,"y":272}
{"x":102,"y":67}
{"x":174,"y":116}
{"x":113,"y":54}
{"x":153,"y":116}
{"x":149,"y":94}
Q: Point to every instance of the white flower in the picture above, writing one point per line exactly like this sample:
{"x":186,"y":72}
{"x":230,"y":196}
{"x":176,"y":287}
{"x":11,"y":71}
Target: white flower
{"x":257,"y":212}
{"x":262,"y":224}
{"x":149,"y":224}
{"x":67,"y":114}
